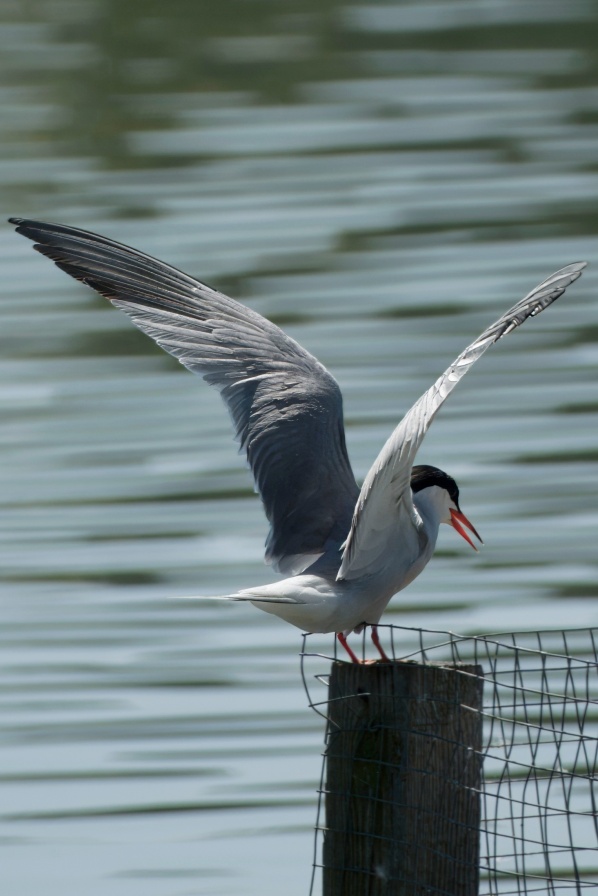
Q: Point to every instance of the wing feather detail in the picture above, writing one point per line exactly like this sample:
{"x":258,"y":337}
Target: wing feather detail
{"x":388,"y":482}
{"x":286,"y":407}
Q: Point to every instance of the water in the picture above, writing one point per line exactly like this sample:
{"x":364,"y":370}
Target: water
{"x":382,"y":181}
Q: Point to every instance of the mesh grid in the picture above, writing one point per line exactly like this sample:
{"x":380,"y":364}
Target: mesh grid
{"x":539,"y":827}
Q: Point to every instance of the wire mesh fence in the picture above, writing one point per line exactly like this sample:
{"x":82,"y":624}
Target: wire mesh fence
{"x":539,"y":722}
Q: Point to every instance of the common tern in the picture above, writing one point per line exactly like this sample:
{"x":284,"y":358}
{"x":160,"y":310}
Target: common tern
{"x":345,"y":551}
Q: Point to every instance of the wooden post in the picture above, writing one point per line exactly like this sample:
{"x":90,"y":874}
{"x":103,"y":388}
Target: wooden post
{"x":403,"y":780}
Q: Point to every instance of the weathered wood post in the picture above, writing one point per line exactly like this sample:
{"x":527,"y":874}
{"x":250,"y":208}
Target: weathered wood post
{"x":403,"y":780}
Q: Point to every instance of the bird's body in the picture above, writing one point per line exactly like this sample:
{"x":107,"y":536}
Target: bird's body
{"x":345,"y":551}
{"x":322,"y":602}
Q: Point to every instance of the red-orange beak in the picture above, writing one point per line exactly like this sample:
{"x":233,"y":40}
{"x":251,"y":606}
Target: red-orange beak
{"x":458,"y":520}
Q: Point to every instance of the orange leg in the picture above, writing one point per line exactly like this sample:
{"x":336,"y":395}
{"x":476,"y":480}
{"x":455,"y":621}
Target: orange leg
{"x":343,"y":641}
{"x":377,"y":644}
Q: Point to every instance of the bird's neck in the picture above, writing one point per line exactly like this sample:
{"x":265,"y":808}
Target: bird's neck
{"x":432,"y":506}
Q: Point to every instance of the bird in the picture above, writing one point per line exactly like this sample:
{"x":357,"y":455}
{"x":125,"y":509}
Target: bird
{"x":344,"y":551}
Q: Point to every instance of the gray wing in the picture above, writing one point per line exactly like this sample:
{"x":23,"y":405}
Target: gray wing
{"x":388,"y":482}
{"x":286,"y":407}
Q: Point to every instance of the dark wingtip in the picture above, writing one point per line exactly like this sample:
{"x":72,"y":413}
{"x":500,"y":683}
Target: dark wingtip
{"x":23,"y":225}
{"x":29,"y":226}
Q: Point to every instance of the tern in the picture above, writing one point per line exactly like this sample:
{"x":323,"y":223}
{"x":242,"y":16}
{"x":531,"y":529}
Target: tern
{"x":345,"y":551}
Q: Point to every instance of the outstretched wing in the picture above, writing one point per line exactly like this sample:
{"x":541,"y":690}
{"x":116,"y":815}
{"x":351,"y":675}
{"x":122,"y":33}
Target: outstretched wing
{"x":388,"y":481}
{"x":286,"y":407}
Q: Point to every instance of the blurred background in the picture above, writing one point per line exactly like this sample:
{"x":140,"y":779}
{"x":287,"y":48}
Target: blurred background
{"x":382,"y":180}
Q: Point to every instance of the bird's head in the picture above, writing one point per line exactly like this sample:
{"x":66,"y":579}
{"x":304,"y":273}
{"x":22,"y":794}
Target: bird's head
{"x":441,"y":492}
